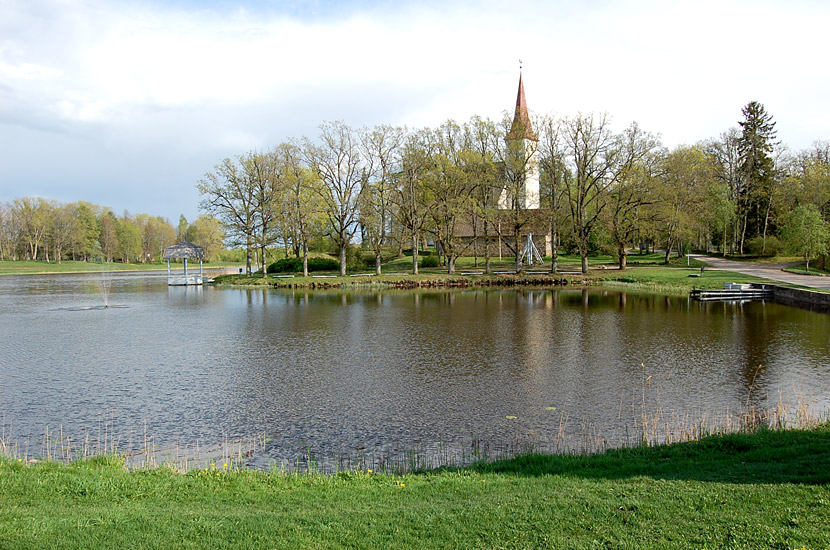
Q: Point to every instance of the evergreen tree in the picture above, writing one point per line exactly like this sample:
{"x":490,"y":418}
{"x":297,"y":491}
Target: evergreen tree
{"x":756,"y":171}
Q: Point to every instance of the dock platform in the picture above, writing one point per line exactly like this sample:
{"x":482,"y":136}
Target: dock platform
{"x":734,"y":291}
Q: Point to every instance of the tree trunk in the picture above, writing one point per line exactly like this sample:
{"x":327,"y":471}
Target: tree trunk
{"x":264,"y":267}
{"x":248,"y":257}
{"x":475,"y":242}
{"x":305,"y":259}
{"x":343,"y":256}
{"x":486,"y":248}
{"x":621,"y":257}
{"x":451,"y":263}
{"x":377,"y":263}
{"x":518,"y":241}
{"x":415,"y":253}
{"x":554,"y":252}
{"x":584,"y":262}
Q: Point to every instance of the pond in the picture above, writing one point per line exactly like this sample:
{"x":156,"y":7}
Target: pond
{"x":374,"y":378}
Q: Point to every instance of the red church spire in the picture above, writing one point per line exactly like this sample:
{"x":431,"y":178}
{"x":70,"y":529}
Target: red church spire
{"x":521,"y":128}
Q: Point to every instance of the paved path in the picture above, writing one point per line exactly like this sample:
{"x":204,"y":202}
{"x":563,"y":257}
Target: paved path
{"x":773,"y":272}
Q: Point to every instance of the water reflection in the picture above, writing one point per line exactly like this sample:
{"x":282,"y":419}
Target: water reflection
{"x":378,"y":373}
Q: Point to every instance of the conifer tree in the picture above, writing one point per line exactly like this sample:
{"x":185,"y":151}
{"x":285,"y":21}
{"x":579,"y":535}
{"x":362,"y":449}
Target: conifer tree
{"x":756,"y":170}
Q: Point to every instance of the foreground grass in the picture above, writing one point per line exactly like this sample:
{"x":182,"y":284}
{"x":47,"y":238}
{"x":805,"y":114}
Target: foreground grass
{"x":767,"y":489}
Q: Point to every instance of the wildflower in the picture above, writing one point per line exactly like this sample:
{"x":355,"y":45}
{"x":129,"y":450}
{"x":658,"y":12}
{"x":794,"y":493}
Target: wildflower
{"x":369,"y":470}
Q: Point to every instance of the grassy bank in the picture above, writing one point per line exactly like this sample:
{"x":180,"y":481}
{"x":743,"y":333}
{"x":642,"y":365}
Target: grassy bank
{"x":39,"y":267}
{"x":767,"y":489}
{"x":653,"y":279}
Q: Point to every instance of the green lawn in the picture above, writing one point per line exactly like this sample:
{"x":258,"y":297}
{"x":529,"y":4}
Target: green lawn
{"x":767,"y":489}
{"x":802,"y":268}
{"x":68,"y":266}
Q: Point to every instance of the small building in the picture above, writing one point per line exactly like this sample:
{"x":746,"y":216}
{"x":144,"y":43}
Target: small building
{"x":184,"y":251}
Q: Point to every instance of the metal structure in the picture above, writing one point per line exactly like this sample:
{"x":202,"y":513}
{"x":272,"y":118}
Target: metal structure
{"x":184,"y":251}
{"x":530,"y":251}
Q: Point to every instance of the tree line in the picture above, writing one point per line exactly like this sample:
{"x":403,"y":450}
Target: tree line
{"x":33,"y":228}
{"x":389,"y":189}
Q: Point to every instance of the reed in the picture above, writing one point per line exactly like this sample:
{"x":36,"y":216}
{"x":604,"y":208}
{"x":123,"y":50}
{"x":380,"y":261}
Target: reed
{"x":646,"y":424}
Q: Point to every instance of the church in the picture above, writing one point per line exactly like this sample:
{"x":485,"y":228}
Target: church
{"x":520,"y":224}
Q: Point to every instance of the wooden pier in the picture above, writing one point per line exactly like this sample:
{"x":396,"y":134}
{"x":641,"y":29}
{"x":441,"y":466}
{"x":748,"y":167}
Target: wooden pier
{"x":734,"y":291}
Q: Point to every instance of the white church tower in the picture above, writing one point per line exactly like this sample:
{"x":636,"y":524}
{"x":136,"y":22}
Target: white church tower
{"x":521,"y":136}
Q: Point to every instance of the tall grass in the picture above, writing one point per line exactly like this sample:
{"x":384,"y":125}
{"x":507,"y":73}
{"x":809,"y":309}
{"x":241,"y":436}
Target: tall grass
{"x":645,"y":422}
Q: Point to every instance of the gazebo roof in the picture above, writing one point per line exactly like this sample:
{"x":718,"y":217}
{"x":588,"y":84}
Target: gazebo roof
{"x":182,"y":250}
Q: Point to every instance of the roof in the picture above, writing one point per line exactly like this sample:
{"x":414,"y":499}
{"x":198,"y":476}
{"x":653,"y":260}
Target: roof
{"x":183,"y":249}
{"x":521,"y":128}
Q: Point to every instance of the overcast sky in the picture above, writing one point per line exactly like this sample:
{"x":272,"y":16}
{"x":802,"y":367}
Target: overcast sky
{"x":128,"y":104}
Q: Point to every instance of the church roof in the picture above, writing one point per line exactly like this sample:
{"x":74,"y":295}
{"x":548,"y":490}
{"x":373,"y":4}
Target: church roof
{"x":521,"y":128}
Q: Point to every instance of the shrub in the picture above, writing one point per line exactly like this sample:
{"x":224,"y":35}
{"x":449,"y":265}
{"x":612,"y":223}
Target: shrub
{"x":294,"y":265}
{"x":755,"y":246}
{"x":428,"y":261}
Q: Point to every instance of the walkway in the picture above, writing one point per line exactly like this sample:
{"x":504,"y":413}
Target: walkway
{"x":773,"y":272}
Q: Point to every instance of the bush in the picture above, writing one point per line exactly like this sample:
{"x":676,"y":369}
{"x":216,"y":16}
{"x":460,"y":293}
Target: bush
{"x":755,"y":247}
{"x":428,"y":260}
{"x":295,"y":265}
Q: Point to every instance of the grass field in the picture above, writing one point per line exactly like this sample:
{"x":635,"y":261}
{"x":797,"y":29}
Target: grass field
{"x":68,"y":266}
{"x":767,"y":489}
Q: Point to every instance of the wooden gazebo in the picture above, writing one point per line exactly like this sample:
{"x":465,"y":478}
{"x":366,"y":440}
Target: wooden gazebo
{"x":184,"y":251}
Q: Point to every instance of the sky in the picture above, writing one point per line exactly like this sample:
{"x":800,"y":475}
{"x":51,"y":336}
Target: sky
{"x":128,"y":104}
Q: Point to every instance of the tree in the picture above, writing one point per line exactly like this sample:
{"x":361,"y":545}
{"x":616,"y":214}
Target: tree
{"x":410,"y":195}
{"x":64,"y":226}
{"x":33,"y":217}
{"x":519,"y":156}
{"x":806,"y":233}
{"x":181,"y":229}
{"x":725,"y":160}
{"x":206,"y":231}
{"x":381,"y":148}
{"x":756,"y":170}
{"x":555,"y":177}
{"x":449,"y":189}
{"x":9,"y":233}
{"x":129,"y":239}
{"x":590,"y":146}
{"x":301,"y":202}
{"x":638,"y":154}
{"x":483,"y":141}
{"x":108,"y":236}
{"x":261,"y":177}
{"x":685,"y":176}
{"x":230,"y":197}
{"x":85,"y":242}
{"x":336,"y":161}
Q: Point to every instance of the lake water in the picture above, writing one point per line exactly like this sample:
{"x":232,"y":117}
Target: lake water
{"x":389,"y":376}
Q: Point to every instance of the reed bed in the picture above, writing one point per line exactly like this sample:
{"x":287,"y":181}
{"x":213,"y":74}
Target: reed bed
{"x":644,"y":422}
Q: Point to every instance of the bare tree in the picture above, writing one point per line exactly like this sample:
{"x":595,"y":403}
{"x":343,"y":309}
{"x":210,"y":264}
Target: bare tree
{"x":637,"y":155}
{"x":590,"y":146}
{"x":302,"y":204}
{"x":336,"y":161}
{"x":448,"y":184}
{"x":229,"y":196}
{"x":409,"y":194}
{"x":381,"y":150}
{"x":555,"y":177}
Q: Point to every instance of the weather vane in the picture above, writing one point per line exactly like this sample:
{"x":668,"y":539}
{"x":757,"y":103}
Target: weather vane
{"x":520,"y":64}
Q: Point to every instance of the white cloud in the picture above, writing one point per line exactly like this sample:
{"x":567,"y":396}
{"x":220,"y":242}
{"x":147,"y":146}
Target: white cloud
{"x":183,"y":85}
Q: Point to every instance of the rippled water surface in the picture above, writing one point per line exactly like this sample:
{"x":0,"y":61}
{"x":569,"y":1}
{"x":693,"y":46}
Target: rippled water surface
{"x":341,"y":376}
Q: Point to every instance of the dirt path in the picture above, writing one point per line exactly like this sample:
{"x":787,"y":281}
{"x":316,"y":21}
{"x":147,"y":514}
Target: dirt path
{"x":773,"y":272}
